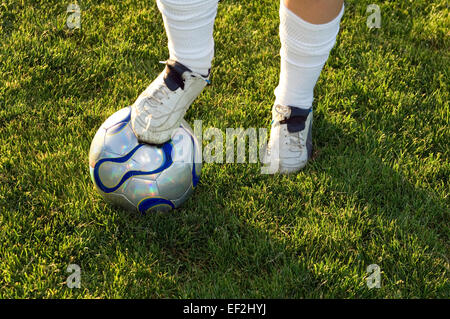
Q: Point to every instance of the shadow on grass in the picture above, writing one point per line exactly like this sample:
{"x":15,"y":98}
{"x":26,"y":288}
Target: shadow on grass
{"x":227,"y":243}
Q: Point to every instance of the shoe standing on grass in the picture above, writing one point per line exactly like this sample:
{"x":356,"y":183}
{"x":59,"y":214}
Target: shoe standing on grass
{"x":305,"y":48}
{"x":308,"y":31}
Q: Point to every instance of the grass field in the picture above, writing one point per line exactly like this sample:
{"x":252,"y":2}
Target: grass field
{"x":377,"y":191}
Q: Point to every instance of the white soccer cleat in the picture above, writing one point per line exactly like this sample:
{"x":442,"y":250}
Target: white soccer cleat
{"x":290,"y":143}
{"x":158,"y":111}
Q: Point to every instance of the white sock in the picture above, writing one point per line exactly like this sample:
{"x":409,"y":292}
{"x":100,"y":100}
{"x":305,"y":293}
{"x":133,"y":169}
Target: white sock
{"x":189,"y":27}
{"x":305,"y":48}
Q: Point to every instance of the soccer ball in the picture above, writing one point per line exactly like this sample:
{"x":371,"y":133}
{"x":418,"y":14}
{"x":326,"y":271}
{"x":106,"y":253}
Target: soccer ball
{"x":143,"y":177}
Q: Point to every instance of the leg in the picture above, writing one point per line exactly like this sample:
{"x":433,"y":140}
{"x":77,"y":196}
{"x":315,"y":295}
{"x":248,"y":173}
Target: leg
{"x":308,"y":30}
{"x":305,"y":47}
{"x":315,"y":11}
{"x":189,"y":27}
{"x":158,"y":111}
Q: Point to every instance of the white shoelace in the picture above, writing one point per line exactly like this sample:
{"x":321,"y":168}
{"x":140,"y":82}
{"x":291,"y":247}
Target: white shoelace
{"x":157,"y":97}
{"x":295,"y":140}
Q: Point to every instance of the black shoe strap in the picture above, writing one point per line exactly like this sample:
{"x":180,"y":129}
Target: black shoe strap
{"x":173,"y":76}
{"x":297,"y":119}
